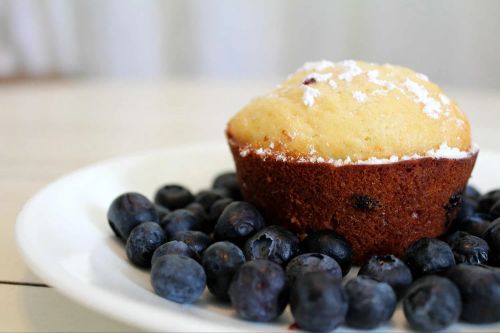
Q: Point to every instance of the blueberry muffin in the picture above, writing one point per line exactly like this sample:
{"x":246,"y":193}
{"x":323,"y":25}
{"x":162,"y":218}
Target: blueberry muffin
{"x":377,"y":153}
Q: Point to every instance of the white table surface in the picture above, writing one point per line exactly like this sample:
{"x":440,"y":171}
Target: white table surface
{"x":47,"y":130}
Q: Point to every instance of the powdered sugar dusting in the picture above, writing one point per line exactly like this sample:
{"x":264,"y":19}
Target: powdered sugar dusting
{"x":351,"y":70}
{"x":431,"y":107}
{"x":359,"y":96}
{"x":444,"y":151}
{"x":310,"y":95}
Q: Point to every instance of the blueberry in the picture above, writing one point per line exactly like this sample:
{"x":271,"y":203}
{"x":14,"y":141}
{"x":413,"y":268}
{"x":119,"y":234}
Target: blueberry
{"x":180,"y":219}
{"x":475,"y":224}
{"x":312,"y":262}
{"x":221,"y":260}
{"x":469,"y":207}
{"x":479,"y":287}
{"x":173,"y":196}
{"x":206,"y":198}
{"x":318,"y":302}
{"x":429,"y":256}
{"x":486,"y":201}
{"x":174,"y":247}
{"x":468,"y":249}
{"x":199,"y":212}
{"x":495,"y":209}
{"x":238,"y":221}
{"x":161,"y":211}
{"x":432,"y":303}
{"x":217,"y":208}
{"x":258,"y":290}
{"x":471,"y":192}
{"x":127,"y":211}
{"x":371,"y":303}
{"x":389,"y":269}
{"x":178,"y":278}
{"x":332,"y":244}
{"x":492,"y":237}
{"x":274,"y":243}
{"x":197,"y":240}
{"x":228,"y":181}
{"x":143,"y":241}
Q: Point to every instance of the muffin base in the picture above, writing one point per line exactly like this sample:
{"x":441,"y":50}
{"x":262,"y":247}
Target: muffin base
{"x":379,"y":209}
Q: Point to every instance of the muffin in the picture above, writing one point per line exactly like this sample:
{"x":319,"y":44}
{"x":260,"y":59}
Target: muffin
{"x":377,"y":153}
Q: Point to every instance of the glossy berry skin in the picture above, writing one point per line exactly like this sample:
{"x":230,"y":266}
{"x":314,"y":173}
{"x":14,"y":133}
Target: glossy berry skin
{"x":468,"y":249}
{"x":471,"y":192}
{"x":331,"y":244}
{"x":389,"y":269}
{"x":495,"y":209}
{"x":206,"y":198}
{"x":199,"y":212}
{"x":179,"y":220}
{"x":129,"y":210}
{"x":175,"y":247}
{"x":429,"y":256}
{"x":161,"y":211}
{"x":238,"y":221}
{"x":492,"y":237}
{"x":178,"y":278}
{"x":312,"y":262}
{"x":258,"y":291}
{"x":475,"y":224}
{"x":371,"y":303}
{"x":318,"y":302}
{"x":217,"y":208}
{"x":469,"y":207}
{"x":197,"y":240}
{"x":173,"y":196}
{"x":432,"y":303}
{"x":479,"y":287}
{"x":228,"y":181}
{"x":273,"y":243}
{"x":487,"y":200}
{"x":221,"y":260}
{"x":143,"y":241}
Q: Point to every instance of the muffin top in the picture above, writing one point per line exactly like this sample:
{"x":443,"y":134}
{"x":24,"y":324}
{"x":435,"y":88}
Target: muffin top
{"x":352,"y":111}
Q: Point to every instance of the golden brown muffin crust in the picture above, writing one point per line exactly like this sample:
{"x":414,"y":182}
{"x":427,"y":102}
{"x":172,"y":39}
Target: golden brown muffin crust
{"x":352,"y":110}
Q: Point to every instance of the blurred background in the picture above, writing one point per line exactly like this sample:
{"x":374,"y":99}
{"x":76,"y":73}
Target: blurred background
{"x":84,"y":80}
{"x":455,"y":42}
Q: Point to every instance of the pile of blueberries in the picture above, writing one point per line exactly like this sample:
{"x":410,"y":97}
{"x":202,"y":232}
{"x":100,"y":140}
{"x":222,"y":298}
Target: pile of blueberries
{"x":214,"y":239}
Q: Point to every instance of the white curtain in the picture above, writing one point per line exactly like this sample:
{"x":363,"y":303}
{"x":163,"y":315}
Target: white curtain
{"x":454,"y":41}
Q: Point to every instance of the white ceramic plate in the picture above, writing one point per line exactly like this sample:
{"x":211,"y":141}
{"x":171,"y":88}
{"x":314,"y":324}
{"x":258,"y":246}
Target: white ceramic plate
{"x":64,"y":237}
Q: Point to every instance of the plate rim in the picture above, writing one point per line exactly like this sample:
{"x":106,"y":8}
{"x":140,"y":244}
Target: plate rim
{"x":103,"y":304}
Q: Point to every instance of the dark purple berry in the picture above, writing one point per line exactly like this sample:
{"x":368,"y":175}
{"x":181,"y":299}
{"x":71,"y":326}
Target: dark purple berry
{"x":238,"y":221}
{"x":173,"y":196}
{"x":318,"y":302}
{"x":389,"y":269}
{"x":142,"y":243}
{"x":429,"y":256}
{"x":258,"y":291}
{"x":129,"y":210}
{"x":331,"y":244}
{"x":371,"y":303}
{"x":273,"y":243}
